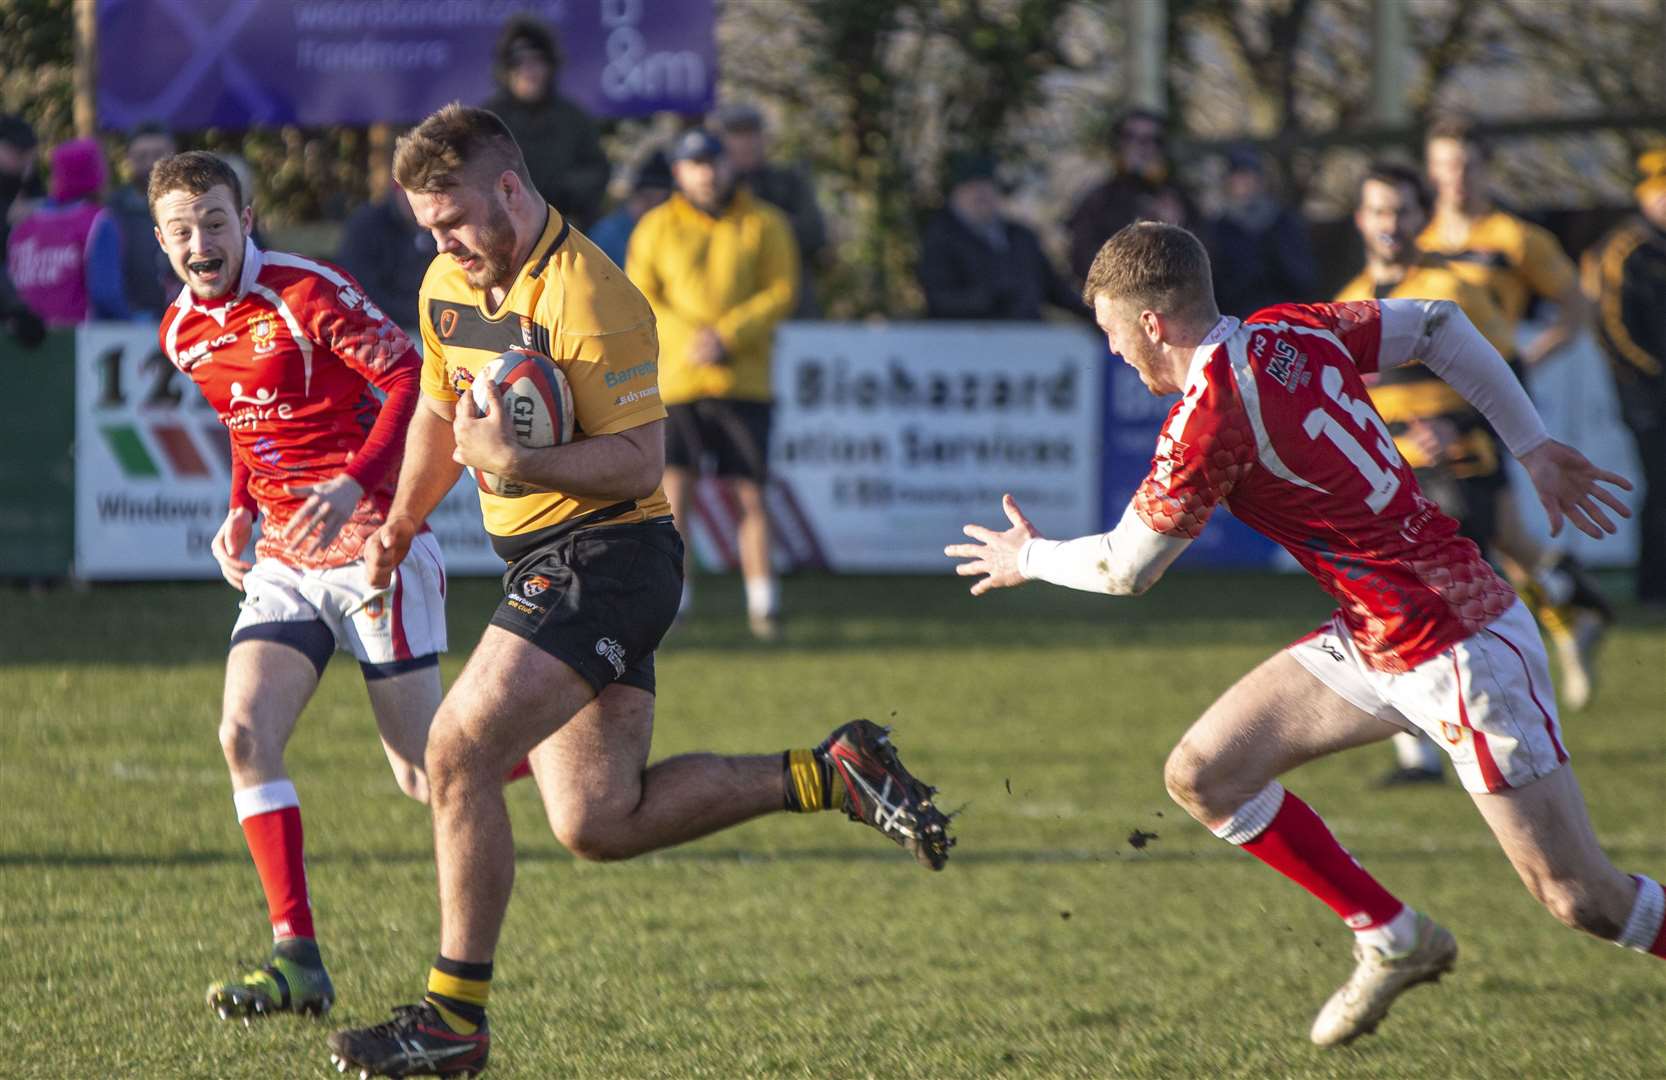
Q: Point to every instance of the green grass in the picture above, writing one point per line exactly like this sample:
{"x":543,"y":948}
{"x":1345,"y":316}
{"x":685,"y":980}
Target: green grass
{"x":802,"y":946}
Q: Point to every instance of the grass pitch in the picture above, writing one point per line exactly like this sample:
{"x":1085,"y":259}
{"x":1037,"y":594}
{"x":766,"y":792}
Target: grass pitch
{"x":1059,"y":942}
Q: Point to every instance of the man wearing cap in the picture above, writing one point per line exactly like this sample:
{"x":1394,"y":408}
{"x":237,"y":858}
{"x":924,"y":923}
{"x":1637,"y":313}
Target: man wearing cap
{"x":741,"y":126}
{"x":650,"y":186}
{"x":1258,"y":246}
{"x":720,"y":267}
{"x":1141,"y":185}
{"x":977,"y":263}
{"x":560,"y":141}
{"x":1625,"y":277}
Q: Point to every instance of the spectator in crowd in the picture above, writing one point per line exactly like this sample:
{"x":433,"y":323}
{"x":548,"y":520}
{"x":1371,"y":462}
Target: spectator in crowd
{"x":977,"y":263}
{"x":789,"y":190}
{"x":1516,"y":260}
{"x":720,"y":267}
{"x":562,"y":145}
{"x":1140,"y":186}
{"x":650,"y":186}
{"x":17,"y":177}
{"x":387,"y":254}
{"x":1259,"y":247}
{"x":128,"y":276}
{"x":46,"y":256}
{"x":20,"y":185}
{"x":1625,"y":275}
{"x":239,"y":166}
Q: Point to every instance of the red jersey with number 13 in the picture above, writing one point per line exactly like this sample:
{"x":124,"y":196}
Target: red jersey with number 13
{"x":1275,"y":420}
{"x":288,"y":361}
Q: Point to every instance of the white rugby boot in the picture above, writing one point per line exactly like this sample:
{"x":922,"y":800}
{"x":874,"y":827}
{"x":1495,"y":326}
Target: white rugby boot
{"x":1362,"y":1002}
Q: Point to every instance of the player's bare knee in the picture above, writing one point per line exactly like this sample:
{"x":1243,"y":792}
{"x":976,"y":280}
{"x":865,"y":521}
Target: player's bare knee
{"x":1185,"y":775}
{"x":1578,"y":908}
{"x":238,"y":740}
{"x":412,"y":781}
{"x":591,"y":836}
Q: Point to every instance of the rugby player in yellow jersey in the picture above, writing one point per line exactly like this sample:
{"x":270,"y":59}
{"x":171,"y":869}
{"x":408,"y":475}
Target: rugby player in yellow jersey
{"x":1439,"y":433}
{"x":565,"y":669}
{"x":1517,"y":261}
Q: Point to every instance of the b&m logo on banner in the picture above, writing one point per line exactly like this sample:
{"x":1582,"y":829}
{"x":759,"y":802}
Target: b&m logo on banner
{"x":153,"y":469}
{"x":234,"y":63}
{"x":888,"y":440}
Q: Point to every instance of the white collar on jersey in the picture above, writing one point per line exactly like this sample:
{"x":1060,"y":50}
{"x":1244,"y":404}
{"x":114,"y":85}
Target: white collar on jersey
{"x":1225,"y":328}
{"x":253,"y":261}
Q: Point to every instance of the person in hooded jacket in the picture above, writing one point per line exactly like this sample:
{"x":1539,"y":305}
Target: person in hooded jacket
{"x":560,"y":141}
{"x":46,"y":255}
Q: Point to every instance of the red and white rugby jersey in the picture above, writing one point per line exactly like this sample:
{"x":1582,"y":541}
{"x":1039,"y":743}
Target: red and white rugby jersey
{"x":1276,"y":420}
{"x":288,"y":361}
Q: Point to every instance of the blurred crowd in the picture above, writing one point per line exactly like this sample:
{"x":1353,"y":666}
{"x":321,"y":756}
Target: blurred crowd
{"x":80,"y":247}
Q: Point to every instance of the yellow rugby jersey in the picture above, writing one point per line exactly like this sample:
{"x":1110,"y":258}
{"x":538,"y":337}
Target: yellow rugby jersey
{"x":1513,"y":259}
{"x":1413,"y":392}
{"x":571,"y":303}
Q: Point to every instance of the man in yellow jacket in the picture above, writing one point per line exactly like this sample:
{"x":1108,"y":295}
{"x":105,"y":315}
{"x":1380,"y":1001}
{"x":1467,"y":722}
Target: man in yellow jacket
{"x":721,"y":270}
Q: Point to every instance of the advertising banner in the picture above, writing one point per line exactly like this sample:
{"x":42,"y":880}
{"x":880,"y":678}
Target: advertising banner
{"x":889,"y":439}
{"x":153,"y":469}
{"x":194,"y":64}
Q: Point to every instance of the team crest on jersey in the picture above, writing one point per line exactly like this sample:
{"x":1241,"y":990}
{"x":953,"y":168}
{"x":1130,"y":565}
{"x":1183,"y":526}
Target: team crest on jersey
{"x":462,"y":380}
{"x":1289,"y":366}
{"x":263,"y":332}
{"x":447,"y":324}
{"x":526,"y":330}
{"x":535,"y":584}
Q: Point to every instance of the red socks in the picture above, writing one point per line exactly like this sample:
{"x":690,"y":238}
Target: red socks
{"x":521,"y":771}
{"x":1285,"y":833}
{"x":271,"y":818}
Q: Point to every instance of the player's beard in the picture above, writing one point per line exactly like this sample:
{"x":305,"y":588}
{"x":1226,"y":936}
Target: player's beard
{"x":497,"y":251}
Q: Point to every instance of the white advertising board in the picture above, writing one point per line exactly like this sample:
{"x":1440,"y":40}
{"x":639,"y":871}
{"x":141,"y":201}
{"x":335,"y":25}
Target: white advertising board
{"x":889,"y":438}
{"x":153,"y":469}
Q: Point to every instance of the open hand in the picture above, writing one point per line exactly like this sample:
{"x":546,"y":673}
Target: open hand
{"x":321,"y":517}
{"x":1570,"y":488}
{"x":995,"y":555}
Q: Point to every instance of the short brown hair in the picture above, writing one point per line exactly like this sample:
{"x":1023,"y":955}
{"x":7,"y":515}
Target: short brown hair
{"x":1157,"y":266}
{"x":1396,"y":174}
{"x":1461,"y":130}
{"x":194,"y":172}
{"x":440,"y":153}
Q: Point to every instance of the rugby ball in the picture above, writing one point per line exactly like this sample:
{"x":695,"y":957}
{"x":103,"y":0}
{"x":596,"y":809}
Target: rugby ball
{"x":539,"y":403}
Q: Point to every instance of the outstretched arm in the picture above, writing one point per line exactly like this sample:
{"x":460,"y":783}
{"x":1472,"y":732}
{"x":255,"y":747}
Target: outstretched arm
{"x":1441,"y":335}
{"x":1126,"y":561}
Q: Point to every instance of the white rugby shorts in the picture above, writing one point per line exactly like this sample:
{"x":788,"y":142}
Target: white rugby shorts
{"x":408,"y":622}
{"x":1488,"y":700}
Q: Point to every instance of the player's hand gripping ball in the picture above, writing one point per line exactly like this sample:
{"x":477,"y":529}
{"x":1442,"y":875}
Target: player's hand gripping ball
{"x":539,"y":403}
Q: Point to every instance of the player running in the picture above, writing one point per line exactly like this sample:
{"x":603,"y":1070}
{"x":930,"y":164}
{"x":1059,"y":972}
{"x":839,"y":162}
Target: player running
{"x":565,"y":670}
{"x":287,"y":351}
{"x":1275,"y":420}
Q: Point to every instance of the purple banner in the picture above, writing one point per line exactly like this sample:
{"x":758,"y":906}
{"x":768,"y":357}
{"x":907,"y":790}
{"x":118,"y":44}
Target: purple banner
{"x":194,"y":64}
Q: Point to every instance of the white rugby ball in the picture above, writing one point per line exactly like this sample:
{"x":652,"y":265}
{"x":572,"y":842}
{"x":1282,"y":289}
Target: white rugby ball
{"x":539,"y":404}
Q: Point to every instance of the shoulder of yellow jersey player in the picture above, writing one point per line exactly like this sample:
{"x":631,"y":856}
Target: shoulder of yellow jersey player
{"x":585,"y":295}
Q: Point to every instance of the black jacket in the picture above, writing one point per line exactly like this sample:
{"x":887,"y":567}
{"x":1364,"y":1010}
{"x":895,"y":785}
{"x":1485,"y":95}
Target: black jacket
{"x":388,"y":256}
{"x":966,"y":277}
{"x":563,"y":151}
